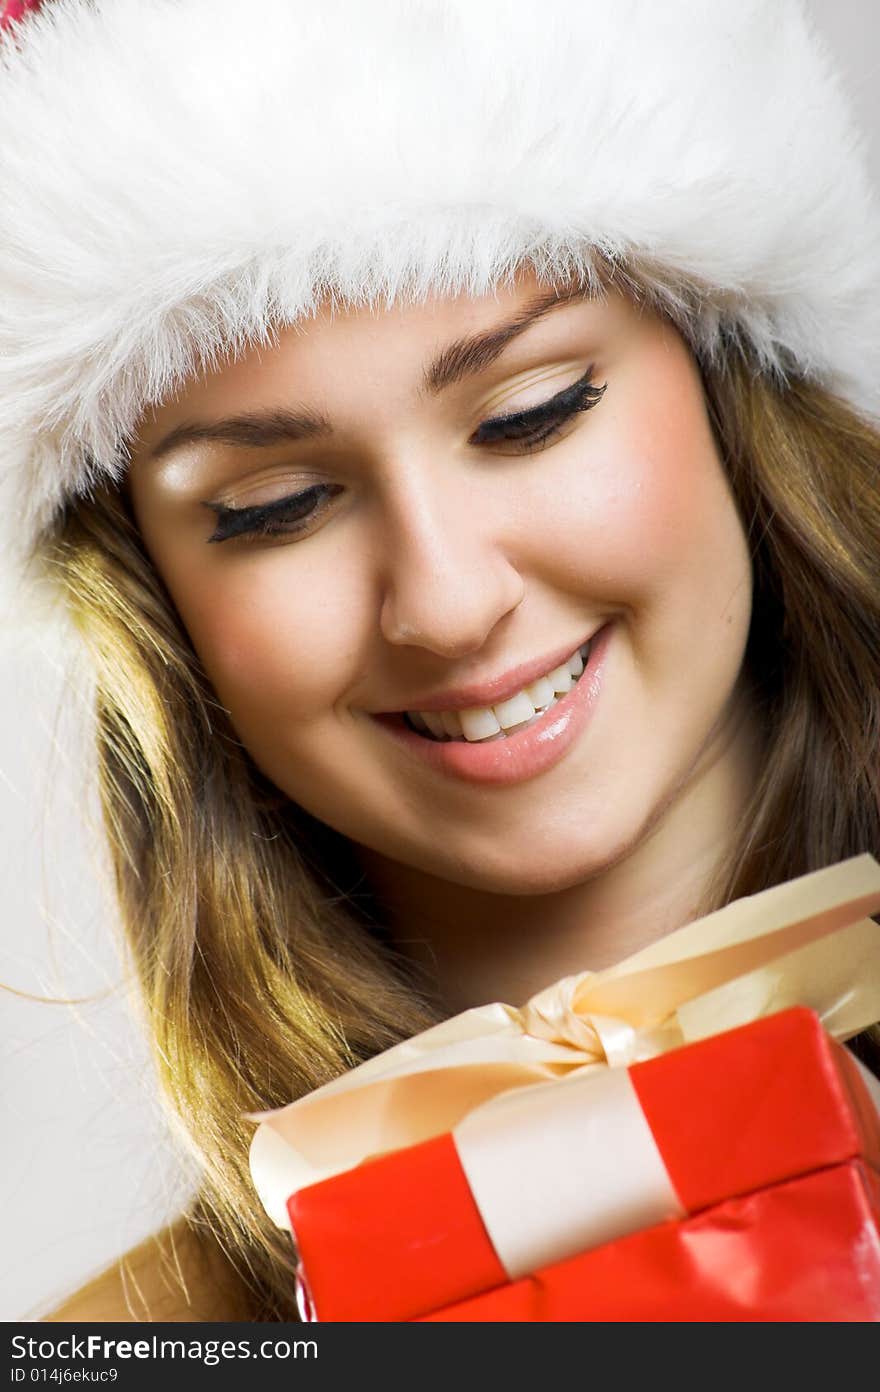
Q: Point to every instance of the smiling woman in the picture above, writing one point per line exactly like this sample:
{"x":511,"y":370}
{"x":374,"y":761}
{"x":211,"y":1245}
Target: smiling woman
{"x":480,"y":566}
{"x":445,"y":570}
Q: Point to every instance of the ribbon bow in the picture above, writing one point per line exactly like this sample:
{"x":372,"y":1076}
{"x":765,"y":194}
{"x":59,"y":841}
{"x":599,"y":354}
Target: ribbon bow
{"x":806,"y":942}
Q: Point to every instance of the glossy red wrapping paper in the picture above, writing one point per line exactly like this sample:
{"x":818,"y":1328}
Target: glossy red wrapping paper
{"x":771,"y":1143}
{"x":807,"y":1250}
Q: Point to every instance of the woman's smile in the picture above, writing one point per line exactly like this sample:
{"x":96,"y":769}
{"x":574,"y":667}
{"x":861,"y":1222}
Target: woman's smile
{"x":393,"y":553}
{"x":527,"y":729}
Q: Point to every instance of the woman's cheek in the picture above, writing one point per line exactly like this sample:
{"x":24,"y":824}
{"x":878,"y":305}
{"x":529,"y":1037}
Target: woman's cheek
{"x":617,"y":525}
{"x":278,"y":638}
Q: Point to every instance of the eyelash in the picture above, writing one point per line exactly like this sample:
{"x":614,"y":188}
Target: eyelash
{"x":532,"y":430}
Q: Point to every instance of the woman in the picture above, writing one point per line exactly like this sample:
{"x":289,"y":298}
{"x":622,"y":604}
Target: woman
{"x":452,"y":431}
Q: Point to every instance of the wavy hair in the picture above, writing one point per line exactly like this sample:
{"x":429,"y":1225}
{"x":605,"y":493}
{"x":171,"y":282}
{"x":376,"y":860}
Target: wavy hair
{"x":262,"y":960}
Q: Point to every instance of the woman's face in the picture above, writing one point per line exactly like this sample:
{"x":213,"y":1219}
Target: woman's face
{"x":427,"y":509}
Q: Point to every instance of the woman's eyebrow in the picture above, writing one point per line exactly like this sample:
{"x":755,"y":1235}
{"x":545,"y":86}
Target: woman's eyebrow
{"x":277,"y":425}
{"x":474,"y":353}
{"x":252,"y":429}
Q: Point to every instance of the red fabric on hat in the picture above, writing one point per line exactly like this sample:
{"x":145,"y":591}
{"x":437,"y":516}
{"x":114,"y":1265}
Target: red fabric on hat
{"x":11,"y":10}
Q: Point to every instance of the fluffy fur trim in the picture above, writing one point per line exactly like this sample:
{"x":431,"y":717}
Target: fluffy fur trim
{"x":177,"y":177}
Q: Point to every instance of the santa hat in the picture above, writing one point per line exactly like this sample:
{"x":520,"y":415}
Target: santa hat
{"x":180,"y":177}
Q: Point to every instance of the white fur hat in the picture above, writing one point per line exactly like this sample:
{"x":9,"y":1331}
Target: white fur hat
{"x":179,"y":176}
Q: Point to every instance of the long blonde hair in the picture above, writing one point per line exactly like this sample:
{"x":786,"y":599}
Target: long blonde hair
{"x":262,"y":961}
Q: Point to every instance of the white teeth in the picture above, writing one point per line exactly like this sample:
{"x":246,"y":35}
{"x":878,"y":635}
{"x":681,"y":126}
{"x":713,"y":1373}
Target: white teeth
{"x":451,"y":724}
{"x":514,"y":711}
{"x":478,"y":724}
{"x":486,"y":723}
{"x":560,"y":679}
{"x":433,"y":722}
{"x":540,"y":693}
{"x":524,"y":724}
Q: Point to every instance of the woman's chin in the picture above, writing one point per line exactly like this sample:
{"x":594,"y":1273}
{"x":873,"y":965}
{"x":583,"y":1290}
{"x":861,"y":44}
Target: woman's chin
{"x":542,"y":871}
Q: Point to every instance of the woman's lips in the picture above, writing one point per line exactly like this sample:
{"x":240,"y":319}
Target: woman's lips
{"x":522,"y":755}
{"x":490,"y":693}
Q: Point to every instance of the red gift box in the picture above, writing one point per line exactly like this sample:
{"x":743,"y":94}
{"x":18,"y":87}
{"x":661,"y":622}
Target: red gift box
{"x":768,"y":1138}
{"x":805,"y":1250}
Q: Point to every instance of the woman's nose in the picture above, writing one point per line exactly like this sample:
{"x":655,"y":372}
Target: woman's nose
{"x":446,"y":578}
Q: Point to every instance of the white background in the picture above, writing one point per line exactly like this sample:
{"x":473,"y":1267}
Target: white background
{"x":86,"y":1165}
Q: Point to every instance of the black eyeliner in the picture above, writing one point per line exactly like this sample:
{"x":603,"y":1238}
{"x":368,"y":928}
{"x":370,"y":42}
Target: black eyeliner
{"x":580,"y":396}
{"x":259,"y":519}
{"x":232,"y":522}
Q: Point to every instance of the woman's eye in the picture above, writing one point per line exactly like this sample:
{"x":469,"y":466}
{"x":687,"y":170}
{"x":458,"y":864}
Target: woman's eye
{"x":285,"y":517}
{"x":297,"y":514}
{"x":531,"y":429}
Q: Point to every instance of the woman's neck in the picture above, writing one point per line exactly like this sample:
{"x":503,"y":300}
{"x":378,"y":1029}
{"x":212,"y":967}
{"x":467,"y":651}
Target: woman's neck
{"x":474,"y":946}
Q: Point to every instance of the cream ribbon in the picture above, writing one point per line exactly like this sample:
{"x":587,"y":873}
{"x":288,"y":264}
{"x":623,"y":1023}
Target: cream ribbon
{"x":806,"y":942}
{"x":561,"y":1167}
